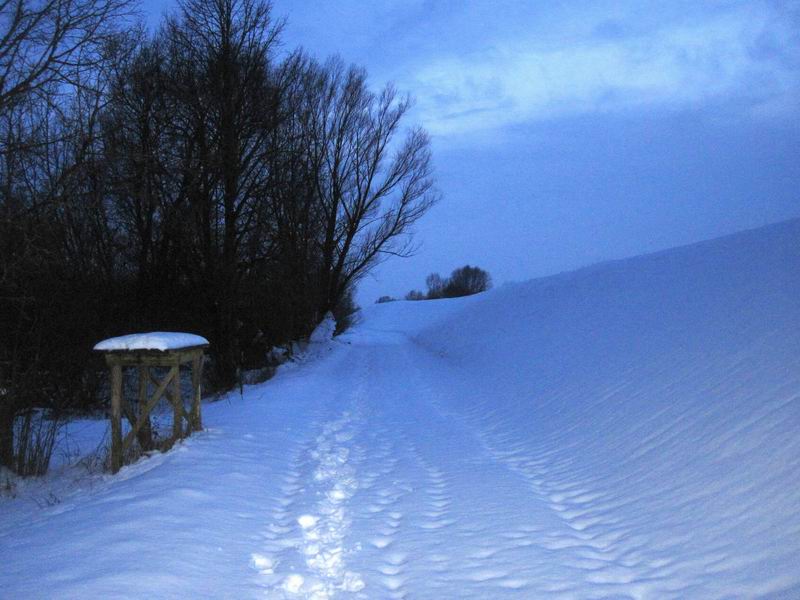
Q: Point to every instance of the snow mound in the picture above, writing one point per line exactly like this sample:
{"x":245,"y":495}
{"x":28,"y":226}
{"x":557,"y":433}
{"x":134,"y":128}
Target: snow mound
{"x":323,"y":333}
{"x":654,"y":404}
{"x":156,"y":340}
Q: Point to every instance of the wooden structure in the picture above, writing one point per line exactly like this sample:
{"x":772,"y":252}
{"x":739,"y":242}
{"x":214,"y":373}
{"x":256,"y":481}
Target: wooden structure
{"x":145,"y":360}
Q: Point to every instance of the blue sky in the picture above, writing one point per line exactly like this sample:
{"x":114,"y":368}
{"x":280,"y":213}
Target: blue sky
{"x":565,"y":133}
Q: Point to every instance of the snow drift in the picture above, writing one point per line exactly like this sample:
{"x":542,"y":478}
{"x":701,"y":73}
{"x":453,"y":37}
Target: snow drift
{"x":654,"y":403}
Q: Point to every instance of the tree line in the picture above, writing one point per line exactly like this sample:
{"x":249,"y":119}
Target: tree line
{"x":463,"y":281}
{"x":194,"y":179}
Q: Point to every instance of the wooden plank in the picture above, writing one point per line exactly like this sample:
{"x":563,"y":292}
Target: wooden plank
{"x":152,"y":377}
{"x":152,"y":358}
{"x":177,"y":405}
{"x":137,"y":426}
{"x":162,"y":387}
{"x":116,"y":418}
{"x":154,"y":351}
{"x":128,"y":413}
{"x":145,"y":435}
{"x":197,"y":382}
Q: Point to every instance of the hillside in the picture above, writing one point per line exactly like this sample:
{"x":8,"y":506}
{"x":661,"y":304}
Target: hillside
{"x":628,"y":430}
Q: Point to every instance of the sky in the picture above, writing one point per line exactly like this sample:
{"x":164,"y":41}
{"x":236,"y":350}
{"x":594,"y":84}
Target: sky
{"x":567,"y":133}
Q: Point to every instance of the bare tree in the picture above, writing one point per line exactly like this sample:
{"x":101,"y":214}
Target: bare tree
{"x":463,"y":281}
{"x":51,"y":52}
{"x":371,"y":187}
{"x":44,"y":42}
{"x":221,"y":53}
{"x":435,"y":285}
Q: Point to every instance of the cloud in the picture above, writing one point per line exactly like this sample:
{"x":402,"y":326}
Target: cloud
{"x":746,"y":56}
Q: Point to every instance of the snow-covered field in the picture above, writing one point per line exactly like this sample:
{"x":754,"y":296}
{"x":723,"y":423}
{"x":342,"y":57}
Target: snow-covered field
{"x":631,"y":430}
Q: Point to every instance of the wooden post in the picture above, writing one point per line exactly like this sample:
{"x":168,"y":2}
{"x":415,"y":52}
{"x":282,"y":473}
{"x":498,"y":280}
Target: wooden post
{"x":116,"y":417}
{"x":197,"y":381}
{"x":177,"y":405}
{"x":145,"y":435}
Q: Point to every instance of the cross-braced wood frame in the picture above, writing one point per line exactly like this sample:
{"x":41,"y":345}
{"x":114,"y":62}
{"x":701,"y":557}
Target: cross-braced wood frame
{"x":145,"y":361}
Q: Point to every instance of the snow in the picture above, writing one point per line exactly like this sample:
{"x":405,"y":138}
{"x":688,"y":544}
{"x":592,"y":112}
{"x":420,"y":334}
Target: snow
{"x":323,"y":333}
{"x":156,"y":340}
{"x":623,"y":431}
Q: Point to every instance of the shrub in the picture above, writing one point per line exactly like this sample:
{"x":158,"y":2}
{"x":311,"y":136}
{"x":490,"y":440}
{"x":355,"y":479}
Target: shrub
{"x":345,"y":312}
{"x":34,"y":440}
{"x":463,"y":281}
{"x":466,"y":281}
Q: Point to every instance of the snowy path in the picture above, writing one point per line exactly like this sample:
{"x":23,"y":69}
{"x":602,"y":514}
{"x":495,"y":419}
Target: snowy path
{"x":402,"y":492}
{"x":370,"y":488}
{"x":394,"y":498}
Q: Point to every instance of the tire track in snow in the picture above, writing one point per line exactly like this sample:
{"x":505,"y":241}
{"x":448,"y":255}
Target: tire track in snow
{"x":573,"y":502}
{"x":405,"y":507}
{"x":475,"y":562}
{"x":435,"y":516}
{"x":566,"y":500}
{"x":383,"y":514}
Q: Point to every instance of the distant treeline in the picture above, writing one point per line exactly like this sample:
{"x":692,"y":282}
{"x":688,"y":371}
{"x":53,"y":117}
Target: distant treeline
{"x":463,"y":281}
{"x":191,"y":179}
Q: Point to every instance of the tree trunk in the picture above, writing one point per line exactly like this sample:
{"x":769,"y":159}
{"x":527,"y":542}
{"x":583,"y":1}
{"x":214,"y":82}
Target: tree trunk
{"x":7,"y":437}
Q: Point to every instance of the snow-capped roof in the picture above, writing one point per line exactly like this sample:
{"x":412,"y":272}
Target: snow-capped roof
{"x":155,"y":340}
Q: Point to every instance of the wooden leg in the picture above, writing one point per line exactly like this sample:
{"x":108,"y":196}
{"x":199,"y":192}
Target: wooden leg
{"x":197,"y":379}
{"x":145,"y":435}
{"x":177,"y":406}
{"x":116,"y":418}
